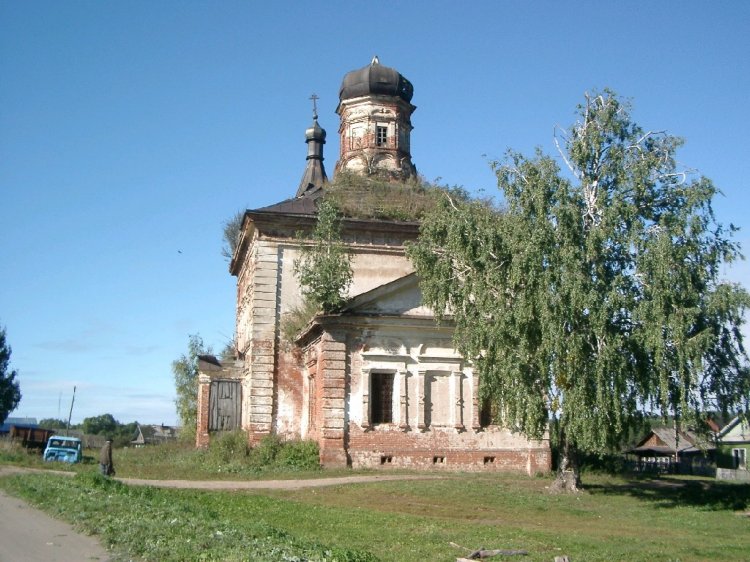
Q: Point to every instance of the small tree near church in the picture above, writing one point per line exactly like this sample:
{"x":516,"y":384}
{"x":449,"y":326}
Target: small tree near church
{"x":185,"y":371}
{"x":324,"y":267}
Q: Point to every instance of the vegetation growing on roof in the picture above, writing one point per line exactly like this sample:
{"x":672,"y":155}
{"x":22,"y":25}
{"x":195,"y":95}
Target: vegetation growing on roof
{"x":294,"y":321}
{"x":232,"y":228}
{"x":375,"y":197}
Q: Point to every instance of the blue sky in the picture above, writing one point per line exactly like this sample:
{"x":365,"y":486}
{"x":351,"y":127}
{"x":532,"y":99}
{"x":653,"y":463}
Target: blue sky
{"x":130,"y":131}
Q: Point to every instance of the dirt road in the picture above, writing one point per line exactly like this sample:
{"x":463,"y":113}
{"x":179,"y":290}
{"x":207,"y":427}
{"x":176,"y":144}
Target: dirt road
{"x":271,"y":484}
{"x":30,"y":535}
{"x":240,"y":484}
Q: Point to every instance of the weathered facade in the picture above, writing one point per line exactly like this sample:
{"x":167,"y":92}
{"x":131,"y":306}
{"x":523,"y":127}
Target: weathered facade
{"x":378,"y":384}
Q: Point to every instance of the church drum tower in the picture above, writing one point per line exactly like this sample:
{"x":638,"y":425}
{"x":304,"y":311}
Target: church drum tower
{"x":375,"y":110}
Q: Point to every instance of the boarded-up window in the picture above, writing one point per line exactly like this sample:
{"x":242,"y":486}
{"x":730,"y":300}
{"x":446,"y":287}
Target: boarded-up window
{"x":381,"y":398}
{"x":437,"y":399}
{"x":224,"y":406}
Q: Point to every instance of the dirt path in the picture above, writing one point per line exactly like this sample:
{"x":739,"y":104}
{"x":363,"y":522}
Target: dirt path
{"x":270,"y":484}
{"x":31,"y":535}
{"x":240,"y":484}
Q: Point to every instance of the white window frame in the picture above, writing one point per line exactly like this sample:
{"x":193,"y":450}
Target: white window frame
{"x":381,"y":128}
{"x":739,"y":456}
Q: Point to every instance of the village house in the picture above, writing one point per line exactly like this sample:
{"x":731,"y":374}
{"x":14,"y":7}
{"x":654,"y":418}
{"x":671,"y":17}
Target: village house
{"x":666,"y":450}
{"x":734,"y":448}
{"x":153,"y":434}
{"x":378,"y":384}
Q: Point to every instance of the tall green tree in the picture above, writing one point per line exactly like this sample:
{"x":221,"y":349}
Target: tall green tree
{"x":10,"y":389}
{"x":324,"y":267}
{"x":594,"y":296}
{"x":53,"y":423}
{"x":104,"y":424}
{"x":185,"y":371}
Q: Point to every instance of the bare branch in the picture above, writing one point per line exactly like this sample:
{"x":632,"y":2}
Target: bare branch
{"x":561,"y":152}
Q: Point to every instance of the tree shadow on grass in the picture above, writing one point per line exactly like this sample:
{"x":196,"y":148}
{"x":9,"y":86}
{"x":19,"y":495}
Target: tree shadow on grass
{"x":709,"y":495}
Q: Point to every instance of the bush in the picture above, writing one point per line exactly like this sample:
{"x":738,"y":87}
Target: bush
{"x":264,"y":454}
{"x":230,"y":453}
{"x":229,"y":447}
{"x":299,"y":455}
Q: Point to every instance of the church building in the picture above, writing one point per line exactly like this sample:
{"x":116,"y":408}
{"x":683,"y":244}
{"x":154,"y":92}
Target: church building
{"x":378,"y":384}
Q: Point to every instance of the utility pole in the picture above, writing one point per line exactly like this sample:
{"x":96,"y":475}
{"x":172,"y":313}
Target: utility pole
{"x":70,"y":414}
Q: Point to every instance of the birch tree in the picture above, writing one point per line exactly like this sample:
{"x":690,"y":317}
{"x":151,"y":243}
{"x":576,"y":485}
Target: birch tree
{"x":324,"y":266}
{"x":594,"y":296}
{"x":185,"y":372}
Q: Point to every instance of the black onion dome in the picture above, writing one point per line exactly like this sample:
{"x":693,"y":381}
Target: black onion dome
{"x":375,"y":79}
{"x":316,"y":132}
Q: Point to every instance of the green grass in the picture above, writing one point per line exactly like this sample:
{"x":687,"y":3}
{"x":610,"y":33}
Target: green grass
{"x":616,"y":519}
{"x":174,"y":525}
{"x":228,"y":458}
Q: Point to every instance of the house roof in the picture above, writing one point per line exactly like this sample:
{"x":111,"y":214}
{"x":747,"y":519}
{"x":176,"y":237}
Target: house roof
{"x":21,"y":421}
{"x":155,"y":433}
{"x":736,"y":431}
{"x":668,"y":443}
{"x":17,"y":422}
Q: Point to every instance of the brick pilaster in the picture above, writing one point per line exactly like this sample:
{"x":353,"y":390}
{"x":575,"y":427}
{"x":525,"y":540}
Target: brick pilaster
{"x":333,"y":352}
{"x":202,"y":437}
{"x":421,"y":380}
{"x":475,"y":422}
{"x":263,"y":346}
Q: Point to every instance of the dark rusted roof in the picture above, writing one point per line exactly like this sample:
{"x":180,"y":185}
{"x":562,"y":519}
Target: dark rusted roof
{"x":210,"y":359}
{"x":304,"y":205}
{"x":375,"y":79}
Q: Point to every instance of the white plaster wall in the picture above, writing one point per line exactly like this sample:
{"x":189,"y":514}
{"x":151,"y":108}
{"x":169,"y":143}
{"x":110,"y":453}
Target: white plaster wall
{"x":372,"y":269}
{"x":291,"y":296}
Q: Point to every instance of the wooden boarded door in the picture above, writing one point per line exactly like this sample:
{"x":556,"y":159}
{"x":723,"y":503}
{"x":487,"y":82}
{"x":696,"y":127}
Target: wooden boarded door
{"x":224,"y":406}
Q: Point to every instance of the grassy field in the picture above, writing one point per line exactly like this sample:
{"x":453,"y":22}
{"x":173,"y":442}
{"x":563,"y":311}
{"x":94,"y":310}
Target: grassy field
{"x":615,"y":519}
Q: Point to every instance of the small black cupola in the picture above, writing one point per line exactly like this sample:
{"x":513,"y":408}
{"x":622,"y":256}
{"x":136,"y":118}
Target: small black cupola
{"x":315,"y":173}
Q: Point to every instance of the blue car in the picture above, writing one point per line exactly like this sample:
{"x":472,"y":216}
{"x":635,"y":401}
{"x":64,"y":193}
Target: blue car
{"x":63,"y":449}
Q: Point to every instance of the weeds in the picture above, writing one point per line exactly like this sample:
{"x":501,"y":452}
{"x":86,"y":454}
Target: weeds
{"x":373,"y":197}
{"x":294,"y":321}
{"x":12,"y":452}
{"x":231,"y":453}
